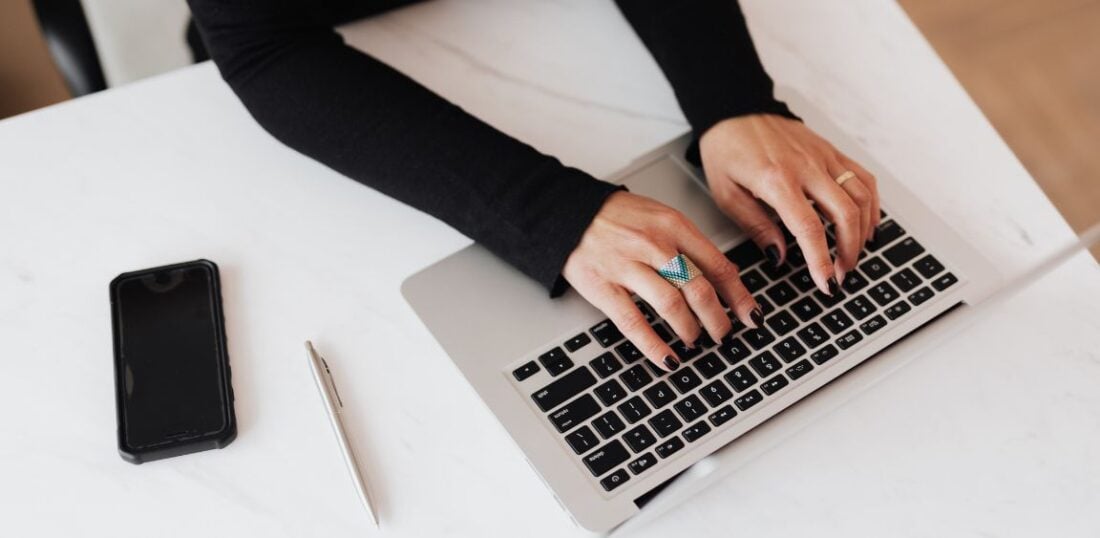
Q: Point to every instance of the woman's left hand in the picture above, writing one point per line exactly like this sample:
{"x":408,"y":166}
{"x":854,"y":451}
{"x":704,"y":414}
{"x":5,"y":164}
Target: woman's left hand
{"x":781,"y":162}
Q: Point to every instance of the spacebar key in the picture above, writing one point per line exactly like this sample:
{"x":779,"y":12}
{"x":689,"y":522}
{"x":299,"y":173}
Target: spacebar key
{"x":572,"y":384}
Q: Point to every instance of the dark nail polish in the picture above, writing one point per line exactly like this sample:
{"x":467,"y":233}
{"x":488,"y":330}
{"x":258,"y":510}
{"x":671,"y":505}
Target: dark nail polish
{"x":757,"y":316}
{"x":834,"y":288}
{"x":672,"y":363}
{"x":772,"y":252}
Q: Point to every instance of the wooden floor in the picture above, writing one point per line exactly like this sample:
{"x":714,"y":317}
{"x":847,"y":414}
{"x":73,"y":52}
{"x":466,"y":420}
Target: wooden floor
{"x":1033,"y":66}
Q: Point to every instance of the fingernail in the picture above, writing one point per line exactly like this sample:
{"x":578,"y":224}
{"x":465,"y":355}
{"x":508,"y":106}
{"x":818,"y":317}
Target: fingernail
{"x":757,"y":317}
{"x":772,"y":252}
{"x":672,"y":363}
{"x":834,"y":288}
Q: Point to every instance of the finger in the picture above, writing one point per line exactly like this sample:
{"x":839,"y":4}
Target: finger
{"x":619,"y":307}
{"x":723,"y":275}
{"x":744,"y":210}
{"x":845,"y":214}
{"x":868,"y":179}
{"x":784,"y":195}
{"x":669,"y":303}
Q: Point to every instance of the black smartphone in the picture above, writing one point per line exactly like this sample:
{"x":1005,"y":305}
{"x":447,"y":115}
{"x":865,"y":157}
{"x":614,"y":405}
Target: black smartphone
{"x":172,"y":378}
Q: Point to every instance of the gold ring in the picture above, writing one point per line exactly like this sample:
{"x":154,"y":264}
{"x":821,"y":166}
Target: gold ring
{"x":848,"y":174}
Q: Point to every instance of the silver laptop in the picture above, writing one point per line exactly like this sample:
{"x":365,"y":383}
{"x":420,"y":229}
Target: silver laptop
{"x":605,"y":429}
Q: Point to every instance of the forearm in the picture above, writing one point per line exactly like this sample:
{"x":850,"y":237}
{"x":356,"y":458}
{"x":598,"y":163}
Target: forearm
{"x":705,"y":50}
{"x":366,"y":120}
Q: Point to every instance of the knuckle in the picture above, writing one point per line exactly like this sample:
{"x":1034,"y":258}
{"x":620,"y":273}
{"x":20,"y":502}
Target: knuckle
{"x":670,"y":303}
{"x":759,"y":228}
{"x":726,"y":272}
{"x":631,"y":322}
{"x":807,"y":225}
{"x":849,"y":213}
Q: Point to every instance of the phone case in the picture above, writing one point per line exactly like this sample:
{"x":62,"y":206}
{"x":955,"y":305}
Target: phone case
{"x":219,"y":439}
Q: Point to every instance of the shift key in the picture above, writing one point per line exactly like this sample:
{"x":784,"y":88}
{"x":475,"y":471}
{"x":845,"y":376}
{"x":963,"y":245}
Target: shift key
{"x":570,"y":385}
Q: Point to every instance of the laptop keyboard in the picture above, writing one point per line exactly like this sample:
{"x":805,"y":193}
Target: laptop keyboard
{"x":623,"y":416}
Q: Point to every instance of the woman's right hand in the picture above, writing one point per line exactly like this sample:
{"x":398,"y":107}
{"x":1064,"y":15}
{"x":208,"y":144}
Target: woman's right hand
{"x":630,"y":237}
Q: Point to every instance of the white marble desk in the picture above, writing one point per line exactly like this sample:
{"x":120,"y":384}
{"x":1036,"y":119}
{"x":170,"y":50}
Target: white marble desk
{"x":995,"y":433}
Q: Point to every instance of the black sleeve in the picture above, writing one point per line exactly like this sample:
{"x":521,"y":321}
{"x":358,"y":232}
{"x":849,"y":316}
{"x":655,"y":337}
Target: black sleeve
{"x":706,"y":52}
{"x":364,"y":119}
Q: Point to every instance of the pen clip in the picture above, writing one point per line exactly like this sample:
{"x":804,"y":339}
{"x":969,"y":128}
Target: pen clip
{"x":331,"y":381}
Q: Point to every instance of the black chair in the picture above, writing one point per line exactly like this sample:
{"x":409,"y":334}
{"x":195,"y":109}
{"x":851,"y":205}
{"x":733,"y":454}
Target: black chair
{"x":70,"y":42}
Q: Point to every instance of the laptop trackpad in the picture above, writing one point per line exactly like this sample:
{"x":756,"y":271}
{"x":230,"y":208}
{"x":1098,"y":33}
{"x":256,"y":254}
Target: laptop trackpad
{"x":679,"y":185}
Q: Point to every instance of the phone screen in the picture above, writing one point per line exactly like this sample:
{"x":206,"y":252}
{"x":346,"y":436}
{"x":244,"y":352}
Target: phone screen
{"x":172,"y":387}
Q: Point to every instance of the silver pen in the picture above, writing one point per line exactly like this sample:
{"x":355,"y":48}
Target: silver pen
{"x":333,"y":406}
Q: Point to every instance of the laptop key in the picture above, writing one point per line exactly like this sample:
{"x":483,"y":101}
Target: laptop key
{"x":685,"y":353}
{"x":577,"y":342}
{"x":634,"y":409}
{"x":781,"y":293}
{"x":582,"y":440}
{"x":750,"y":399}
{"x":610,"y":392}
{"x":837,"y":321}
{"x":848,"y":340}
{"x":806,"y":308}
{"x":823,"y":355}
{"x":684,"y":380}
{"x":758,"y":338}
{"x":789,"y":349}
{"x":782,"y":323}
{"x":639,"y":438}
{"x":608,"y":424}
{"x":643,"y":463}
{"x":559,"y":391}
{"x":905,"y":280}
{"x":800,"y":369}
{"x":525,"y":371}
{"x":813,"y":335}
{"x":765,"y":364}
{"x":875,"y":268}
{"x":795,"y":258}
{"x":883,"y":293}
{"x":765,"y":305}
{"x":614,"y":480}
{"x":665,"y":423}
{"x":928,"y":266}
{"x":669,"y":447}
{"x":745,"y":255}
{"x":715,"y":393}
{"x":555,"y":361}
{"x":606,"y":457}
{"x":771,"y":386}
{"x":636,"y":377}
{"x":722,"y":415}
{"x":872,"y":325}
{"x":663,"y":332}
{"x":901,"y":253}
{"x":710,"y":365}
{"x":775,"y":272}
{"x":606,"y":364}
{"x":920,"y":296}
{"x":884,"y":234}
{"x":741,"y":378}
{"x":854,"y":282}
{"x":659,"y":394}
{"x":944,"y":282}
{"x":606,"y":333}
{"x":860,"y":307}
{"x":897,"y":309}
{"x":574,"y":413}
{"x":646,"y":311}
{"x":628,"y":352}
{"x":829,"y":300}
{"x":734,"y":350}
{"x":690,"y":408}
{"x":753,"y":280}
{"x":803,"y":281}
{"x":695,"y":431}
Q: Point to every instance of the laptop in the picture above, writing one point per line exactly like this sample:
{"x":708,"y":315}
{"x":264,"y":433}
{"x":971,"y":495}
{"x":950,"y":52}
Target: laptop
{"x":606,"y":430}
